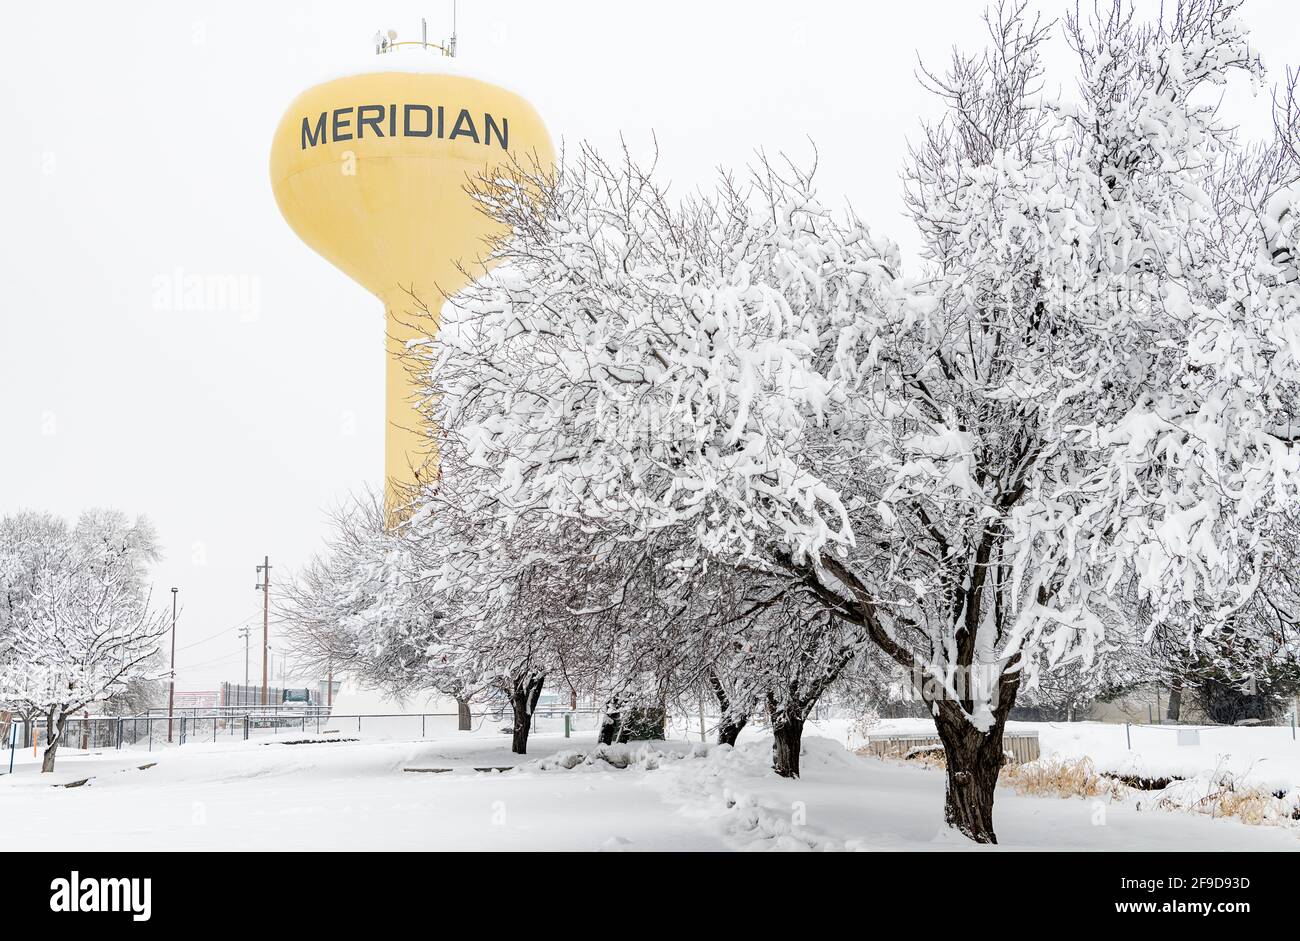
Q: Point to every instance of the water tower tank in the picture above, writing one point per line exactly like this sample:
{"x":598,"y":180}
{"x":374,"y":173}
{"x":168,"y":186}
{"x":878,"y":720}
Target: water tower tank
{"x":370,"y":171}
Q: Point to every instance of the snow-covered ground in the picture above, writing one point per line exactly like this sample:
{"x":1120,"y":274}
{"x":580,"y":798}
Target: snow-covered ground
{"x":356,"y":795}
{"x":337,"y":796}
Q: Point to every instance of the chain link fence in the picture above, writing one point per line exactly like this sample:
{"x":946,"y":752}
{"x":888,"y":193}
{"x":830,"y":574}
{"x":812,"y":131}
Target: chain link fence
{"x":150,"y":731}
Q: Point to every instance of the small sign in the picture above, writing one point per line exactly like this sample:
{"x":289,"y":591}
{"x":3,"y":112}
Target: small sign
{"x":1189,"y":737}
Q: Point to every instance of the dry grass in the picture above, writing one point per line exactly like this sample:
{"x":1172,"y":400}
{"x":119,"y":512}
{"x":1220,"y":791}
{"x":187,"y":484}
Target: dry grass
{"x":1078,"y":777}
{"x":1252,"y":805}
{"x":930,"y":756}
{"x":1059,"y":777}
{"x":1046,"y":777}
{"x":1255,"y":806}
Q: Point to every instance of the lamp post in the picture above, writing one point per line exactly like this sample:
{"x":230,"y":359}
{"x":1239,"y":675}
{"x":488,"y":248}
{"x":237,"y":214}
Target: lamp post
{"x":171,"y":690}
{"x":264,"y":586}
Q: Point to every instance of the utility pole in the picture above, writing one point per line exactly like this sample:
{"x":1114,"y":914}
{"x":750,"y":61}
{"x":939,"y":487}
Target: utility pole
{"x":171,"y":687}
{"x":265,"y":586}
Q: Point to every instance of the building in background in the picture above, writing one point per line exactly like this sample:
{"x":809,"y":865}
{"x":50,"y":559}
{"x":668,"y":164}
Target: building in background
{"x":239,"y":694}
{"x":198,"y":699}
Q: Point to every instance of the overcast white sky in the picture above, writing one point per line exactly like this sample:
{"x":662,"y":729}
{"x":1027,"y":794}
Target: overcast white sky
{"x":136,"y":139}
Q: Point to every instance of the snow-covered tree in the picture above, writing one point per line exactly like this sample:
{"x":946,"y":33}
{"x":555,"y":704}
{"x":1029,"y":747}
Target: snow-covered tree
{"x":363,"y":607}
{"x":544,"y":600}
{"x":76,"y":626}
{"x":768,"y":648}
{"x":437,"y":601}
{"x":1074,"y":418}
{"x":790,"y":654}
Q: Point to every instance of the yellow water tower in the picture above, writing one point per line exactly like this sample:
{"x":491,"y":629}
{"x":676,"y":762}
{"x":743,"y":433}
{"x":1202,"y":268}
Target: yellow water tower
{"x":370,"y":170}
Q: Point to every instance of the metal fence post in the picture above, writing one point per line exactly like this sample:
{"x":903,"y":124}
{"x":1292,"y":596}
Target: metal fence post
{"x":422,"y":725}
{"x":1128,"y":738}
{"x":245,"y":728}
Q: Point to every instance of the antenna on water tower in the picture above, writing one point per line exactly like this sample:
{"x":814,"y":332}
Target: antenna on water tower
{"x":447,"y":47}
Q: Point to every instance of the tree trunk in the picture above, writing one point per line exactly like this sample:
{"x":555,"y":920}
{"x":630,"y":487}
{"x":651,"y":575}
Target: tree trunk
{"x":1175,"y":699}
{"x":523,"y":700}
{"x":729,"y":729}
{"x":611,"y":721}
{"x":974,"y":761}
{"x":463,"y":723}
{"x":54,"y":724}
{"x":729,"y":725}
{"x":787,"y":739}
{"x":608,"y":728}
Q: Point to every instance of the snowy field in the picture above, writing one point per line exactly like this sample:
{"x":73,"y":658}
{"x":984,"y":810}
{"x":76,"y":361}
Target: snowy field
{"x":675,"y":796}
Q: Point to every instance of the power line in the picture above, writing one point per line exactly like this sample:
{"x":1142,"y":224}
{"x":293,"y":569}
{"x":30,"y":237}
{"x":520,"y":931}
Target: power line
{"x":204,"y":663}
{"x":220,"y":633}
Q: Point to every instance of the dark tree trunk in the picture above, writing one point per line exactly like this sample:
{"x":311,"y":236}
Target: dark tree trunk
{"x":608,"y":728}
{"x":974,"y":761}
{"x":1175,"y":699}
{"x":53,"y":735}
{"x":610,"y":722}
{"x":729,"y":729}
{"x":523,"y":700}
{"x":730,"y":724}
{"x":463,"y":723}
{"x":787,"y":739}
